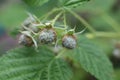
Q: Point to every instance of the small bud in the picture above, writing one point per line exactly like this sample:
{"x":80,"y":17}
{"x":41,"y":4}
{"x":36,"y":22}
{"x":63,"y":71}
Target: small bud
{"x":69,"y":41}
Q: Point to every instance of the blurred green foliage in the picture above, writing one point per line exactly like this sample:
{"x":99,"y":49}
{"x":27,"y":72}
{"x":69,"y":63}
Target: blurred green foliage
{"x":12,"y":15}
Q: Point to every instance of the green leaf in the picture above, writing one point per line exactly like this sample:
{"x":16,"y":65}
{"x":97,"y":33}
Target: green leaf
{"x":35,"y":2}
{"x":72,"y":3}
{"x":62,"y":2}
{"x":29,"y":64}
{"x":92,"y":59}
{"x":42,"y":9}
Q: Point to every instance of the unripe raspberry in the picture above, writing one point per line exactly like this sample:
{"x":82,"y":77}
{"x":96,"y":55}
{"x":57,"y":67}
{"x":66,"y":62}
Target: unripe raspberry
{"x":47,"y":35}
{"x":25,"y":40}
{"x":31,"y":19}
{"x":69,"y":41}
{"x":31,"y":23}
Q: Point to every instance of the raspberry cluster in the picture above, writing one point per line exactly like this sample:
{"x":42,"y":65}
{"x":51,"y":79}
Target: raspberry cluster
{"x":34,"y":32}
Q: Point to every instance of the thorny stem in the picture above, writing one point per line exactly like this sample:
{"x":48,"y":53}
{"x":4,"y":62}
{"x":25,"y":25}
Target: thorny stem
{"x":81,"y":20}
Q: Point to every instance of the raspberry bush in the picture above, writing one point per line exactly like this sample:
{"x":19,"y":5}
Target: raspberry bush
{"x":47,"y":47}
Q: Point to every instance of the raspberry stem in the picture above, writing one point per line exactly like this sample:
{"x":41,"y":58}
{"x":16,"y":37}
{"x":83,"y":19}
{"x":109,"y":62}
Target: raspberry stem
{"x":28,"y":29}
{"x":65,"y":22}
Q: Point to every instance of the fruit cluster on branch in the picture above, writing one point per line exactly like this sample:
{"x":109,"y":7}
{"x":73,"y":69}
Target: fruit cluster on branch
{"x":34,"y":32}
